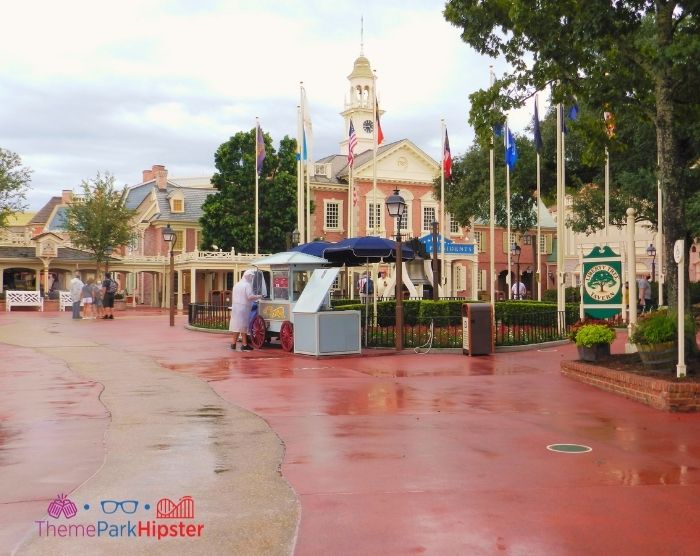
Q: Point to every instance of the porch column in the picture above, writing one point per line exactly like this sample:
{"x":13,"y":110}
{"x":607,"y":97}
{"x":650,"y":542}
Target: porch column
{"x":449,"y":291}
{"x":164,"y":288}
{"x":37,"y":281}
{"x":208,"y":277}
{"x":179,"y":289}
{"x":193,"y":285}
{"x":2,"y":278}
{"x":475,"y":280}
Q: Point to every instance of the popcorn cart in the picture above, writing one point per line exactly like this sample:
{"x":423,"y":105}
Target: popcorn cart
{"x":289,"y":274}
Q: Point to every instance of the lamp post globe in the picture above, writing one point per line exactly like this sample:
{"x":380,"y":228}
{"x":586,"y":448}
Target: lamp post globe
{"x":296,"y":237}
{"x":170,"y":237}
{"x":396,"y":206}
{"x":651,"y":252}
{"x":515,"y":250}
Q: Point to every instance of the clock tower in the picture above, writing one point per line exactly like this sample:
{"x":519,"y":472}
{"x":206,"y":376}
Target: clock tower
{"x":359,"y":106}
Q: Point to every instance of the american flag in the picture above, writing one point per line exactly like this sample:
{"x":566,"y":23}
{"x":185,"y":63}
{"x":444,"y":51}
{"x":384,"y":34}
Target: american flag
{"x":352,"y":143}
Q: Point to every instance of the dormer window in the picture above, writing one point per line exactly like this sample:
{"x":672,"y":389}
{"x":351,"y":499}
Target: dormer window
{"x":177,"y":203}
{"x":322,"y":170}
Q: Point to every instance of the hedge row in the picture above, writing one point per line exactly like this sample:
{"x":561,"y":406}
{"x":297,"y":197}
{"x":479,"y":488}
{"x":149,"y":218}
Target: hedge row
{"x":450,"y":312}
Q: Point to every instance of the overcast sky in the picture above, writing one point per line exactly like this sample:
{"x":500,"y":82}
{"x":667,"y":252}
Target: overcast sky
{"x":91,"y":86}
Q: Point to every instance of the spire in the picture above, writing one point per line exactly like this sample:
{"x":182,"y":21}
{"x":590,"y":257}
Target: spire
{"x":362,"y":35}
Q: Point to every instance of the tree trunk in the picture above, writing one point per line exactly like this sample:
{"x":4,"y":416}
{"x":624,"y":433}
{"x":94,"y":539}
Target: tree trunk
{"x":670,"y":162}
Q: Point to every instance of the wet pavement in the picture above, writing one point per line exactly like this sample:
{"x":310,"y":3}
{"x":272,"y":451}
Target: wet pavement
{"x":409,"y":454}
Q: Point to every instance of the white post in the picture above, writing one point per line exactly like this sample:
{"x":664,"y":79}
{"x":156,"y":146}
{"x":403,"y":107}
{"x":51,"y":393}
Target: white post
{"x":193,"y":285}
{"x":443,"y":263}
{"x":631,"y":278}
{"x":351,"y":208}
{"x":508,"y":232}
{"x":300,"y":178}
{"x":375,"y":215}
{"x":538,"y":273}
{"x":561,"y":306}
{"x":492,"y":213}
{"x":607,"y":194}
{"x":660,"y":246}
{"x":257,"y":127}
{"x":679,"y":257}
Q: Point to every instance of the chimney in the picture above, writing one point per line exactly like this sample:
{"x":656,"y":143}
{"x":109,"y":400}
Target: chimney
{"x":66,"y":196}
{"x":147,"y":175}
{"x":161,"y":176}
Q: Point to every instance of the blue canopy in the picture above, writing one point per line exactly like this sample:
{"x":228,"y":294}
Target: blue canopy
{"x":315,"y":248}
{"x":356,"y":251}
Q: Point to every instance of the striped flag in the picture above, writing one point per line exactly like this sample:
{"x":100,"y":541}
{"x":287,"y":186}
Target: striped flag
{"x":447,"y":158}
{"x":352,"y":143}
{"x":536,"y":130}
{"x":259,"y":149}
{"x":380,"y":134}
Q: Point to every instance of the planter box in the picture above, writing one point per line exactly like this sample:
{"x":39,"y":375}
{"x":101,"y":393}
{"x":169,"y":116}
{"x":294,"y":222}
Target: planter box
{"x":119,"y":305}
{"x":666,"y":395}
{"x":658,"y":357}
{"x":593,"y":353}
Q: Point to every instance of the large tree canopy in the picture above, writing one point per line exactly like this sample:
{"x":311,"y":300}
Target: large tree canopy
{"x":637,"y":56}
{"x":14,"y":181}
{"x":229,"y":214}
{"x":99,"y":219}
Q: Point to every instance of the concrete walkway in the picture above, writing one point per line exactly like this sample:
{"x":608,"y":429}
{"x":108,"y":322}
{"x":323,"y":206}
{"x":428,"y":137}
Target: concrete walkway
{"x":408,"y":454}
{"x":166,"y":435}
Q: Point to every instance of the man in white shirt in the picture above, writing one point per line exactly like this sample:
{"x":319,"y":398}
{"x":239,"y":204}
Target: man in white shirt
{"x":518,"y":290}
{"x":76,"y":287}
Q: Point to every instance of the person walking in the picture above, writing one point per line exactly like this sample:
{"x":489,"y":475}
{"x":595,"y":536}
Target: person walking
{"x":644,"y":289}
{"x":97,"y":300}
{"x":76,"y":289}
{"x":109,"y":288}
{"x":519,"y":290}
{"x":242,"y":297}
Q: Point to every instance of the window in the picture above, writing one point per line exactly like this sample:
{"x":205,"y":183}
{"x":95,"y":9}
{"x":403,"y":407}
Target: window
{"x":454,"y":225}
{"x":478,"y":241}
{"x":332,"y":215}
{"x":428,"y":218}
{"x":179,"y":241}
{"x":508,"y":245}
{"x":178,"y":205}
{"x":321,"y":170}
{"x":374,"y":212}
{"x":404,"y":221}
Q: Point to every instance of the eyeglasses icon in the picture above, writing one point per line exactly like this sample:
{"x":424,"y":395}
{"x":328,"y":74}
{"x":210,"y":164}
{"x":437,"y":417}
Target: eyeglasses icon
{"x":127,"y":506}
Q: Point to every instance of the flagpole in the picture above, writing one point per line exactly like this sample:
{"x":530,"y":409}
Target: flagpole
{"x":510,"y":279}
{"x":443,"y":264}
{"x":375,"y":227}
{"x":660,"y":242}
{"x":300,"y":192}
{"x":492,"y":213}
{"x":257,"y":128}
{"x":607,"y":193}
{"x":560,"y":219}
{"x":302,"y":159}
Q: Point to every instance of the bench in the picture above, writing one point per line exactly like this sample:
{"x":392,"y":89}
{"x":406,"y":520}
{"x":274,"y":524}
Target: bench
{"x":65,"y":301}
{"x":23,"y":299}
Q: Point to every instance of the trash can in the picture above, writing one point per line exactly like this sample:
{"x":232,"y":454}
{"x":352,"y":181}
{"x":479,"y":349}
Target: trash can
{"x":477,"y":328}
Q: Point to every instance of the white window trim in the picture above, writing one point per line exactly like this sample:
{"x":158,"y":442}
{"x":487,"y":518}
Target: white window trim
{"x":450,"y":221}
{"x":425,"y":205}
{"x":340,"y":227}
{"x":409,"y":218}
{"x":478,"y":240}
{"x":382,"y":213}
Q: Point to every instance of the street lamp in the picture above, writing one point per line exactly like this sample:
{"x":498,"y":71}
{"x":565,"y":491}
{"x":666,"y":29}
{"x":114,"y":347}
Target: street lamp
{"x":651,"y":251}
{"x":515,"y":251}
{"x":170,"y":238}
{"x":396,"y":205}
{"x":296,"y":236}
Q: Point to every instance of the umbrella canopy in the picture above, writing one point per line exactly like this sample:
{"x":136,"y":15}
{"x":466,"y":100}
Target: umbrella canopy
{"x":356,"y":251}
{"x":315,"y":248}
{"x":290,"y":258}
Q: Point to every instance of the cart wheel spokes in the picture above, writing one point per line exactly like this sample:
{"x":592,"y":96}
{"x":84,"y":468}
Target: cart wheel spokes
{"x":258,"y":332}
{"x":287,"y":336}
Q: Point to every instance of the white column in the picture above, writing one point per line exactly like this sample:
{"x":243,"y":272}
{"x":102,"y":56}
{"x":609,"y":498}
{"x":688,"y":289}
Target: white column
{"x":37,"y":281}
{"x":193,"y":285}
{"x":631,"y":278}
{"x":179,"y":289}
{"x":46,"y":279}
{"x":2,"y":283}
{"x":475,"y":280}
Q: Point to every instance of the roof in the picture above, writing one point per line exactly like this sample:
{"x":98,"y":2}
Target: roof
{"x":200,"y":182}
{"x":20,"y":218}
{"x":59,"y":220}
{"x":42,"y":216}
{"x":290,"y":257}
{"x":193,"y":200}
{"x":135,"y":195}
{"x":64,"y":253}
{"x":365,"y":156}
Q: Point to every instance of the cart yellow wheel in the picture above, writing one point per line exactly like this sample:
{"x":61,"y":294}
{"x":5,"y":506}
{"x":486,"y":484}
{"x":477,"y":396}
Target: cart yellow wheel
{"x":287,"y":336}
{"x":258,"y":332}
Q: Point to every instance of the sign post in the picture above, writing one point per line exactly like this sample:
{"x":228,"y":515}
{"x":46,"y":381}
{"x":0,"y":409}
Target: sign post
{"x":679,"y":257}
{"x":601,"y":283}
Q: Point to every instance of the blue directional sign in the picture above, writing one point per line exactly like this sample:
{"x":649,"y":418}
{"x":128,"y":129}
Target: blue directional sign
{"x":451,"y":248}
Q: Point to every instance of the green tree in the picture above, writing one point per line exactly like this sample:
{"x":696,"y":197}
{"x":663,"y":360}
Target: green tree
{"x":14,"y":182}
{"x":636,"y":56}
{"x":229,"y":214}
{"x":98,"y":219}
{"x":601,"y":279}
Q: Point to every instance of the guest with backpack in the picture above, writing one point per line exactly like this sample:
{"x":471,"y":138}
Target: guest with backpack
{"x":109,"y":288}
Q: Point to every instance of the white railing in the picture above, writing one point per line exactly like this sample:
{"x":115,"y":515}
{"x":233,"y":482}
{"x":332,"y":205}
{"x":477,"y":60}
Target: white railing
{"x":11,"y":238}
{"x":23,"y":299}
{"x":141,"y":259}
{"x":216,"y":256}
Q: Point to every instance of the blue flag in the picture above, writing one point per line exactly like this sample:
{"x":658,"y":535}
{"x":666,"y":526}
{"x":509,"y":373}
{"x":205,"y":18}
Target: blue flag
{"x":573,"y":112}
{"x":537,"y":131}
{"x":498,"y":130}
{"x":511,"y":150}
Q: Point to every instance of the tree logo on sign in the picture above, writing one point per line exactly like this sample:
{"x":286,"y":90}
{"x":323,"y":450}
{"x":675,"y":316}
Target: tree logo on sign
{"x":602,"y":282}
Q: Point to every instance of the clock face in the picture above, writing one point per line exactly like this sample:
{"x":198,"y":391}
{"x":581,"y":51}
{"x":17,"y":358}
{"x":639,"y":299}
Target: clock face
{"x":368,"y":126}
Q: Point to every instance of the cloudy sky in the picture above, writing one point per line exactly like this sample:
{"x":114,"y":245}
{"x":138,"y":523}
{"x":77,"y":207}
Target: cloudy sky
{"x":91,"y":86}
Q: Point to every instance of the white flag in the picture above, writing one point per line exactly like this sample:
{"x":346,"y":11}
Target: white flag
{"x":307,"y":134}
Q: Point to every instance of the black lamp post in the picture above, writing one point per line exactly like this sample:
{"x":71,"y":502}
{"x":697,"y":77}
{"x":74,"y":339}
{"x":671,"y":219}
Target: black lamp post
{"x":651,"y":251}
{"x":296,"y":236}
{"x":170,"y":238}
{"x":437,"y":271}
{"x":396,"y":205}
{"x":108,"y":253}
{"x":515,"y":250}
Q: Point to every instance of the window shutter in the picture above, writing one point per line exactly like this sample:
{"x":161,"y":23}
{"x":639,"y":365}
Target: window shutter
{"x":506,"y":246}
{"x":548,"y":244}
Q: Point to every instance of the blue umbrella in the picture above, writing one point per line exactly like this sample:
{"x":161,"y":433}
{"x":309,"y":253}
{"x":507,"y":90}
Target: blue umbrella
{"x":356,"y":251}
{"x":314,"y":248}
